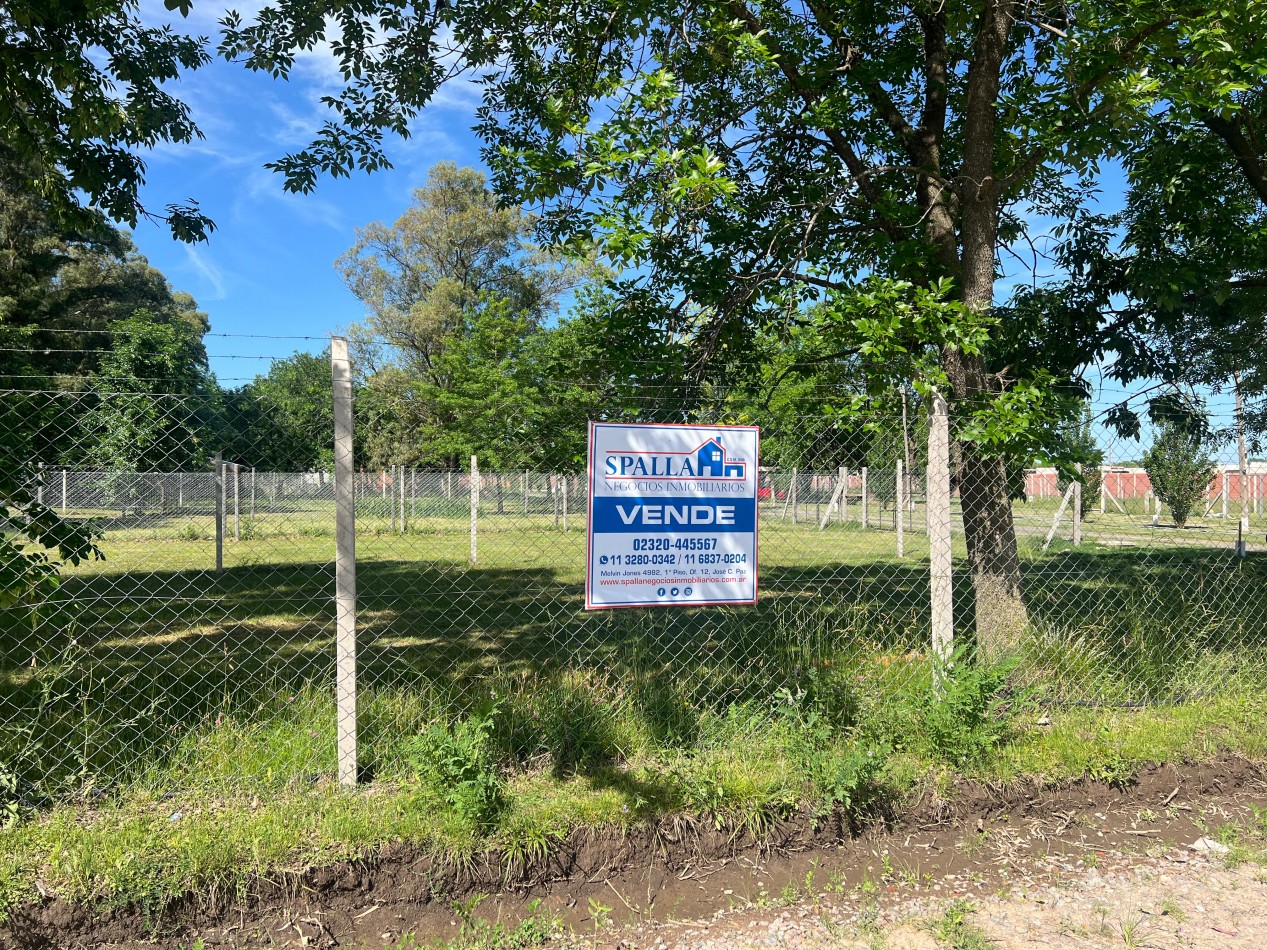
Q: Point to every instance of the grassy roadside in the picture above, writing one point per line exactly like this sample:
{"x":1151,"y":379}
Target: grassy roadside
{"x":149,"y":847}
{"x":185,"y":744}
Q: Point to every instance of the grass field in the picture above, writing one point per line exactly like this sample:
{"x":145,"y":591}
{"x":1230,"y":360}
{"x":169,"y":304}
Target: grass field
{"x":495,"y":709}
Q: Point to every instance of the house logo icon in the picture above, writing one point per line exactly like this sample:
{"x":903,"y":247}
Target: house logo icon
{"x":710,"y":460}
{"x":707,"y":460}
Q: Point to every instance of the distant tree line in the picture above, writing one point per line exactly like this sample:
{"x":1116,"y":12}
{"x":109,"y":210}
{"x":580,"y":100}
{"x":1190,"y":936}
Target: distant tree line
{"x":474,"y":341}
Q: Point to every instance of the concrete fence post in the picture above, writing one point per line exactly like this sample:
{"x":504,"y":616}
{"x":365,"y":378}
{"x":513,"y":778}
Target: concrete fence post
{"x":219,"y":490}
{"x":1077,"y":508}
{"x":344,"y":565}
{"x":63,"y":491}
{"x":390,"y":499}
{"x":237,"y":508}
{"x":475,"y":506}
{"x":866,"y":499}
{"x":940,"y":560}
{"x":899,"y":508}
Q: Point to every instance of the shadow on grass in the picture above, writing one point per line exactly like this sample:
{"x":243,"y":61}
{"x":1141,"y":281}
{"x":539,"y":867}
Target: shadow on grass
{"x":114,"y":675}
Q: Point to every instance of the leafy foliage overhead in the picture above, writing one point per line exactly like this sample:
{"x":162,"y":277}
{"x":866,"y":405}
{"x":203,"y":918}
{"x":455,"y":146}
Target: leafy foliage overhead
{"x":83,"y":97}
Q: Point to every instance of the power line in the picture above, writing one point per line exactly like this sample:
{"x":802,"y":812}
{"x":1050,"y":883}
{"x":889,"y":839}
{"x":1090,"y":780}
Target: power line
{"x":108,"y":332}
{"x":44,"y":350}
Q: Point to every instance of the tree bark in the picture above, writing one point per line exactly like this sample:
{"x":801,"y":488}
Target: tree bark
{"x":987,"y":506}
{"x":993,"y":559}
{"x":961,"y":227}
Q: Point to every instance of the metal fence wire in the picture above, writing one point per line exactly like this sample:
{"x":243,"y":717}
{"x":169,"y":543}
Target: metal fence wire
{"x":202,"y":647}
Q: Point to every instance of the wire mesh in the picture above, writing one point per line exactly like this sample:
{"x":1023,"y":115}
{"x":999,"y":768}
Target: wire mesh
{"x":206,"y":619}
{"x":201,"y":648}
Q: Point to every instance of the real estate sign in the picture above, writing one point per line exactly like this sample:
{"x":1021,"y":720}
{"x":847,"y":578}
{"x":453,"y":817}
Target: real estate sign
{"x":672,"y":516}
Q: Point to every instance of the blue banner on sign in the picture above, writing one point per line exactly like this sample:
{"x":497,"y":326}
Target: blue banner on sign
{"x":637,"y":515}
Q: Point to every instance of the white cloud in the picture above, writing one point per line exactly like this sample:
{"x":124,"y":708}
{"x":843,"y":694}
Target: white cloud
{"x":263,"y":185}
{"x":294,"y":128}
{"x":319,"y":66}
{"x":206,"y":269}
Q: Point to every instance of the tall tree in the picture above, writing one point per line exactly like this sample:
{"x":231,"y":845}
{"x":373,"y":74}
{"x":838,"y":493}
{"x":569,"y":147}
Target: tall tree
{"x":478,"y":396}
{"x":453,"y":284}
{"x":454,"y":248}
{"x":284,"y":420}
{"x":156,"y":401}
{"x":63,"y":293}
{"x":745,"y":158}
{"x":63,"y":286}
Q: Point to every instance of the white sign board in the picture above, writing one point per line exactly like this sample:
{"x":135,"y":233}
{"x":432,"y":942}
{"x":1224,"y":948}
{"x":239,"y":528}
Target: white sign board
{"x":672,"y":516}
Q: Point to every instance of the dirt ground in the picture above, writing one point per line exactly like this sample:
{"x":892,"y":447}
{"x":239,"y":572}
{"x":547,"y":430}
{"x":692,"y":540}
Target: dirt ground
{"x":1085,"y":865}
{"x":1161,"y":897}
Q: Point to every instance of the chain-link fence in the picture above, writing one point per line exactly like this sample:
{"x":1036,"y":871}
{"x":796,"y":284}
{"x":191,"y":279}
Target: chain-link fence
{"x":202,"y":647}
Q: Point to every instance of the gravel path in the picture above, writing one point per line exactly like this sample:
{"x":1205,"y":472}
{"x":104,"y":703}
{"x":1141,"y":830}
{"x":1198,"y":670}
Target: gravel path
{"x":1175,"y":898}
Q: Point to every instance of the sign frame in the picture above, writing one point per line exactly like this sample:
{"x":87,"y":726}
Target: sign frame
{"x":592,"y":603}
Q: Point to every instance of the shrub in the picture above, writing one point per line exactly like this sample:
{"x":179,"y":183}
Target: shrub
{"x":1091,"y":479}
{"x":458,"y":764}
{"x":1179,"y":467}
{"x":970,"y":714}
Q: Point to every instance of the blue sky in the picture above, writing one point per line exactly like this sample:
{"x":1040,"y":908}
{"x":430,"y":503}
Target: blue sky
{"x":268,"y":268}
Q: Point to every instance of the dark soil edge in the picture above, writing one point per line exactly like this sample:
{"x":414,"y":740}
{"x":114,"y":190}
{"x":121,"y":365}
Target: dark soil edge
{"x":402,"y":874}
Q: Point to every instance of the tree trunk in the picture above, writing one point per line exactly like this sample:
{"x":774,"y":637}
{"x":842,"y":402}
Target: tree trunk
{"x":983,"y":490}
{"x":992,"y":555}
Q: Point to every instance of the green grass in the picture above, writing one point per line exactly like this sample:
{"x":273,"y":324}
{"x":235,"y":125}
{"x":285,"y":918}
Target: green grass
{"x":151,"y":847}
{"x":150,"y":688}
{"x":1246,"y":840}
{"x":956,"y":931}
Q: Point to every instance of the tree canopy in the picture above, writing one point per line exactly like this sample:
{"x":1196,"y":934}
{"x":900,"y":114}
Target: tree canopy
{"x":83,"y":96}
{"x":839,"y":181}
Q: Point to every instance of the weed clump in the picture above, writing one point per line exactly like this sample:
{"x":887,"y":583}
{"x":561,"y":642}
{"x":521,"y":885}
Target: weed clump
{"x":970,"y":711}
{"x":458,"y":765}
{"x":847,"y":773}
{"x":960,"y":712}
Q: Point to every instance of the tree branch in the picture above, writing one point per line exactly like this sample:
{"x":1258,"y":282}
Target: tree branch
{"x":1027,"y":165}
{"x":1249,"y":159}
{"x":840,"y":145}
